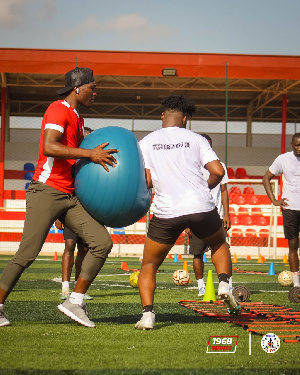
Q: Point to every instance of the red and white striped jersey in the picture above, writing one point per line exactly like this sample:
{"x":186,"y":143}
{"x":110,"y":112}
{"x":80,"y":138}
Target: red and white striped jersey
{"x":55,"y":172}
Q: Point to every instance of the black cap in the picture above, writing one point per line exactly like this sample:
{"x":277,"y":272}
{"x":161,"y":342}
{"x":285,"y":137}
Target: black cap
{"x":76,"y":77}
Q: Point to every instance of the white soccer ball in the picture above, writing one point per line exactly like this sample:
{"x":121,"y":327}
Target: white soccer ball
{"x":285,"y":278}
{"x":181,"y":277}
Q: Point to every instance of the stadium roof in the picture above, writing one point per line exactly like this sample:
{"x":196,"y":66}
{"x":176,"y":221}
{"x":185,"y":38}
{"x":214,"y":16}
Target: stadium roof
{"x":131,"y":84}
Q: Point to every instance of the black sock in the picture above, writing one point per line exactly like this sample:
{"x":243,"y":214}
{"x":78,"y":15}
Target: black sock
{"x":224,"y":277}
{"x":148,"y":308}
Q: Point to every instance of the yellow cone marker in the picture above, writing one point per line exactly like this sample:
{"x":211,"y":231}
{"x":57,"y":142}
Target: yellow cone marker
{"x":209,"y":294}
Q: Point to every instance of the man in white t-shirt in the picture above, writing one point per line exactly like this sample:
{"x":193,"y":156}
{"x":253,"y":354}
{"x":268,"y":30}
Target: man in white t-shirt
{"x":199,"y":247}
{"x":173,"y":159}
{"x":289,"y":165}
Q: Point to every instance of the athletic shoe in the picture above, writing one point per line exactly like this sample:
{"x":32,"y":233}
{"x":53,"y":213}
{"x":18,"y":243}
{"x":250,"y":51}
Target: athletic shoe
{"x":147,"y":321}
{"x":201,"y":291}
{"x":229,"y":301}
{"x":65,"y":293}
{"x":77,"y":313}
{"x":3,"y":319}
{"x":87,"y":297}
{"x":64,"y":296}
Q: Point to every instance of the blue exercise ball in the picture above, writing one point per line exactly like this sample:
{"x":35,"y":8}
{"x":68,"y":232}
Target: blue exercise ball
{"x":120,"y":197}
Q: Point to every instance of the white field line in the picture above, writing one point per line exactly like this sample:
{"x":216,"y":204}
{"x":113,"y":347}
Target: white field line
{"x":100,"y":283}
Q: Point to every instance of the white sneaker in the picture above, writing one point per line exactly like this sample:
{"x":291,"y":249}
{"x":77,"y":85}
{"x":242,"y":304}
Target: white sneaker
{"x":64,"y":296}
{"x":3,"y":319}
{"x":147,"y":321}
{"x":77,"y":313}
{"x":228,"y":299}
{"x":201,"y":291}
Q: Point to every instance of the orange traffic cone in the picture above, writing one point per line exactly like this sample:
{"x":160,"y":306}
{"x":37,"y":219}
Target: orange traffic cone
{"x":55,"y":257}
{"x":248,"y":257}
{"x":285,"y":259}
{"x":263,"y":258}
{"x":186,"y":268}
{"x":124,"y":266}
{"x":170,"y":256}
{"x":259,"y":260}
{"x":180,"y":257}
{"x":235,"y":259}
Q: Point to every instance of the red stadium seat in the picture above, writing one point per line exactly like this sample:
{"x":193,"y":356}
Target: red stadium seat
{"x":256,"y":211}
{"x":250,"y":232}
{"x":248,"y":190}
{"x":231,"y":210}
{"x":238,"y":199}
{"x":261,"y":221}
{"x":258,"y":217}
{"x":264,"y":233}
{"x":234,"y":220}
{"x":243,"y":211}
{"x":230,"y":173}
{"x":251,"y":199}
{"x":235,"y":190}
{"x":241,"y":173}
{"x":246,"y":220}
{"x":237,"y":232}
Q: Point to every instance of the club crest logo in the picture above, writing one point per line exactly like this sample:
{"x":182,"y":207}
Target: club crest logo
{"x":270,"y":343}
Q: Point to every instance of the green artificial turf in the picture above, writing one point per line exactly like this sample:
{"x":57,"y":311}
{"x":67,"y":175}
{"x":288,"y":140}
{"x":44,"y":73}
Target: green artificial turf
{"x":41,"y":340}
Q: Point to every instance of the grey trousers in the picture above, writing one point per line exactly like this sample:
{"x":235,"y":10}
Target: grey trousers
{"x":44,"y":205}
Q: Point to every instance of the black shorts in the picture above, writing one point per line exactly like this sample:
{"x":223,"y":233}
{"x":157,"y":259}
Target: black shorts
{"x":197,"y":246}
{"x":69,"y":235}
{"x":203,"y":225}
{"x":291,"y":223}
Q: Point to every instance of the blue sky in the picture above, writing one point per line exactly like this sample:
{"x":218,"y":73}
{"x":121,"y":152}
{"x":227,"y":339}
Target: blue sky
{"x":268,"y":27}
